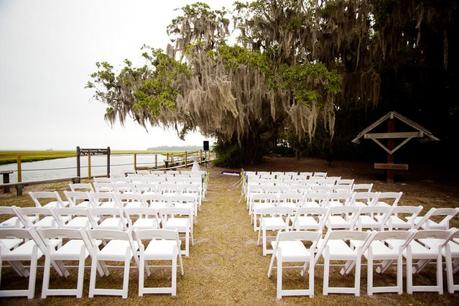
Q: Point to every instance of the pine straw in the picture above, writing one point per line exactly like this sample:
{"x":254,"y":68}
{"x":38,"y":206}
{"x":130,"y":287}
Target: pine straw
{"x":226,"y":266}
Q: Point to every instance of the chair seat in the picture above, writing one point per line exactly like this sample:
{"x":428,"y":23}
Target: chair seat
{"x":133,"y":204}
{"x":162,"y":249}
{"x":70,"y":250}
{"x":292,"y":251}
{"x":55,"y":204}
{"x":115,"y":250}
{"x":146,"y":223}
{"x":107,"y":204}
{"x":337,"y":221}
{"x":339,"y":249}
{"x":78,"y":222}
{"x":334,"y":203}
{"x":366,"y":221}
{"x":14,"y":222}
{"x":310,"y":204}
{"x":9,"y":243}
{"x":306,"y":222}
{"x":180,"y":224}
{"x":22,"y":252}
{"x":113,"y":222}
{"x":273,"y":223}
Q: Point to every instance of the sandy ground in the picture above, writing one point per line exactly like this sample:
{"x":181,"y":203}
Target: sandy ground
{"x":226,"y":267}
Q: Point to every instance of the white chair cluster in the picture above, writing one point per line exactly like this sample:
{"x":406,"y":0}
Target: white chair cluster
{"x":344,"y":226}
{"x":110,"y":225}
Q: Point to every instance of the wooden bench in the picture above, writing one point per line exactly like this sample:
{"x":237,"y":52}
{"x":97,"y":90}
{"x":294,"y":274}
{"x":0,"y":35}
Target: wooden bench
{"x":20,"y":185}
{"x":390,"y":166}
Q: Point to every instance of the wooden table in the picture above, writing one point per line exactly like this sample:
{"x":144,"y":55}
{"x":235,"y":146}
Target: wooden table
{"x":6,"y":179}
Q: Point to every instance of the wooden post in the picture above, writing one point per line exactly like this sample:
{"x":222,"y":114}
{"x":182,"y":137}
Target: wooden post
{"x":108,"y":161}
{"x":135,"y":162}
{"x":19,"y":169}
{"x":89,"y":165}
{"x":186,"y":158}
{"x":19,"y":187}
{"x":156,"y":161}
{"x":390,"y":146}
{"x":200,"y":156}
{"x":78,"y":152}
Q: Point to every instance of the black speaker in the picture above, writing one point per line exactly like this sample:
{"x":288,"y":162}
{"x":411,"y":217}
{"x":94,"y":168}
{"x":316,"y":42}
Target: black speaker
{"x":205,"y":145}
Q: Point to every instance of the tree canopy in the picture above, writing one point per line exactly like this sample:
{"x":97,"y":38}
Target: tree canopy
{"x":277,"y":71}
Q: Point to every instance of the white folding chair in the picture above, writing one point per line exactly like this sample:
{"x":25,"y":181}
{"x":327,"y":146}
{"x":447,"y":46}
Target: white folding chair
{"x":181,"y":220}
{"x":9,"y":216}
{"x":342,"y":217}
{"x":272,"y":219}
{"x":402,"y":217}
{"x":451,"y":254}
{"x":103,"y":186}
{"x":51,"y":199}
{"x":426,"y":245}
{"x":143,"y":218}
{"x":28,"y":250}
{"x":162,"y":245}
{"x":310,"y":218}
{"x":436,"y":218}
{"x":388,"y":198}
{"x":119,"y":247}
{"x":108,"y":218}
{"x":379,"y":250}
{"x":104,"y":199}
{"x":362,"y":187}
{"x":335,"y":247}
{"x":76,"y":248}
{"x":34,"y":217}
{"x":130,"y":200}
{"x":372,"y":217}
{"x":75,"y":218}
{"x":78,"y":199}
{"x":289,"y":247}
{"x":81,"y":187}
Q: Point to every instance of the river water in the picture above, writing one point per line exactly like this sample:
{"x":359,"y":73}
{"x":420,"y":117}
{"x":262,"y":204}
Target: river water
{"x":66,"y":167}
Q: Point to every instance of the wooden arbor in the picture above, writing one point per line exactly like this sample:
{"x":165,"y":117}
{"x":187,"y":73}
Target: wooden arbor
{"x":412,"y":130}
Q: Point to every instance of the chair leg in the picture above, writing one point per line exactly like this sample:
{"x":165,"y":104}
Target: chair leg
{"x":409,"y":274}
{"x":449,"y":271}
{"x":46,"y":272}
{"x":79,"y":288}
{"x":92,"y":279}
{"x":279,"y":276}
{"x":326,"y":275}
{"x":187,"y":243}
{"x":440,"y":274}
{"x":263,"y":235}
{"x":400,"y":274}
{"x":358,"y":268}
{"x":311,"y":276}
{"x":33,"y":275}
{"x":127,"y":264}
{"x":141,"y":274}
{"x":370,"y":276}
{"x":174,"y":276}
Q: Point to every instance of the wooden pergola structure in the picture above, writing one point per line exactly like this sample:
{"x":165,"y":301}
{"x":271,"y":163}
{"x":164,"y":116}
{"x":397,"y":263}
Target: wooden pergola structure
{"x":415,"y":131}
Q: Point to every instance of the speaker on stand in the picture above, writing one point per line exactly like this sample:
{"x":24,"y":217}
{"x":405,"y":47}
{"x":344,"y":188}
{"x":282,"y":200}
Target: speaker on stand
{"x":205,"y":146}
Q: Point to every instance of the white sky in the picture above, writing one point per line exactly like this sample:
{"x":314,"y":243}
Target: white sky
{"x":48,"y":49}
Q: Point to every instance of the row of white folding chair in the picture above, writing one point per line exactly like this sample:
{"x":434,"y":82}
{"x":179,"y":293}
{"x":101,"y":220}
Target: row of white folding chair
{"x":350,"y":246}
{"x":79,"y":244}
{"x":132,"y":200}
{"x":177,"y":218}
{"x":349,"y":218}
{"x":324,"y":199}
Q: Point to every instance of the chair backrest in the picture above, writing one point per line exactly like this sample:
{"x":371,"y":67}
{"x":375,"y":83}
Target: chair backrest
{"x":140,"y":212}
{"x":42,"y":195}
{"x":98,"y":198}
{"x":64,"y":213}
{"x":303,"y":236}
{"x":99,"y":214}
{"x":108,"y":234}
{"x":432,"y":234}
{"x":275,"y":211}
{"x":321,"y":213}
{"x":85,"y":187}
{"x":64,"y":233}
{"x":319,"y":174}
{"x":443,"y":214}
{"x":152,"y":234}
{"x":9,"y":214}
{"x":123,"y":187}
{"x":389,"y":198}
{"x":124,"y":198}
{"x":368,"y":198}
{"x":346,"y":235}
{"x":20,"y":233}
{"x":104,"y":186}
{"x":341,"y":197}
{"x":76,"y":197}
{"x":320,"y":198}
{"x":39,"y":213}
{"x":345,"y":182}
{"x":362,"y":187}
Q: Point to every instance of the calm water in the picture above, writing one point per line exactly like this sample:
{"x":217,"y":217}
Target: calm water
{"x":66,"y":167}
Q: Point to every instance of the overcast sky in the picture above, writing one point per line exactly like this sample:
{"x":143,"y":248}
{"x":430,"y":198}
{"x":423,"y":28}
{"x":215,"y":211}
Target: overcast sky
{"x":48,"y":49}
